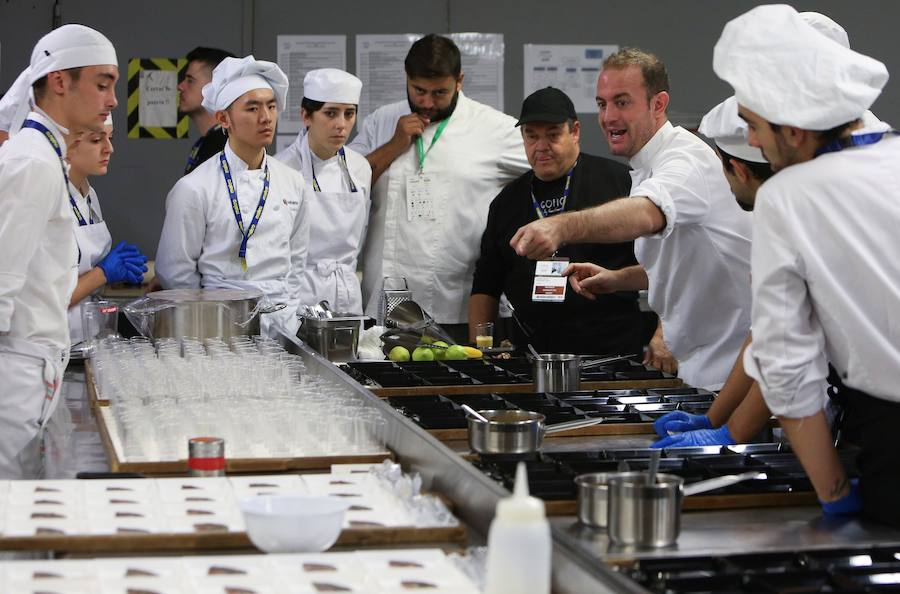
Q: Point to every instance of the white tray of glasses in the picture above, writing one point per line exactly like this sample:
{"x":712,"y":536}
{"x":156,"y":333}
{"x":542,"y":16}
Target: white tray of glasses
{"x":151,"y":397}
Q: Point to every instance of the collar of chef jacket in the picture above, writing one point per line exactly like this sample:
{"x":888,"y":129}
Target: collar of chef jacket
{"x":238,"y":166}
{"x":644,"y":157}
{"x":40,"y":116}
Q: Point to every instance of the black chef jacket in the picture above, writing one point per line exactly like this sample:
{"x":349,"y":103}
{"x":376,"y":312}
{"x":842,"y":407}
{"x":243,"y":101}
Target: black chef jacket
{"x":612,"y":323}
{"x":207,"y":146}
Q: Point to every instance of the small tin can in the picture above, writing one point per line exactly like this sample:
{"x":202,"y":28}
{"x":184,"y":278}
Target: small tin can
{"x":206,"y":456}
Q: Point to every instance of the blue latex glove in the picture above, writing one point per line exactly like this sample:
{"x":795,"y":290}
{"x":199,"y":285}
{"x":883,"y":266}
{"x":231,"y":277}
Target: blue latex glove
{"x":700,"y":437}
{"x":679,"y":421}
{"x":848,"y":505}
{"x":124,"y":262}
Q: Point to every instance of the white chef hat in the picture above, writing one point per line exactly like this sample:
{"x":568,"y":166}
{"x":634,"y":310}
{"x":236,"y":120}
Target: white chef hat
{"x":789,"y":73}
{"x":235,"y":76}
{"x":69,"y":46}
{"x":826,"y":27}
{"x":16,"y":103}
{"x":723,"y":125}
{"x":332,"y":85}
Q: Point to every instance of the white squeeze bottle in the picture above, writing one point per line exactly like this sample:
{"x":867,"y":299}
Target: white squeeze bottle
{"x":519,"y":545}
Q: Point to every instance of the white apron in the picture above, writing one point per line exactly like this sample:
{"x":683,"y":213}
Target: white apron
{"x":94,"y":242}
{"x":337,"y":226}
{"x":32,"y":375}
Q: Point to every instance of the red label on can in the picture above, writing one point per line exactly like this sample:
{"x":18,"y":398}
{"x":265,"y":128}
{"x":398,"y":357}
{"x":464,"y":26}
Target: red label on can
{"x":109,"y":309}
{"x":207,"y":463}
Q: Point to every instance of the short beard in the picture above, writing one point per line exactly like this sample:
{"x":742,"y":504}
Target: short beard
{"x":441,"y":115}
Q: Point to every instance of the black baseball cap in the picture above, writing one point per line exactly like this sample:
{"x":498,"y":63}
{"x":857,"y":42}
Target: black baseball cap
{"x":547,"y":105}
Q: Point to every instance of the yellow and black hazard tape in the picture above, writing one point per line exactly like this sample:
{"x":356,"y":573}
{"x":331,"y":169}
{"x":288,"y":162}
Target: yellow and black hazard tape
{"x":135,"y":130}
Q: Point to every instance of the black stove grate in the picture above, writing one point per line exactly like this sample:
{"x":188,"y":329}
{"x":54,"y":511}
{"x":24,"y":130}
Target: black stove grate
{"x":551,"y":475}
{"x":844,"y":571}
{"x":516,"y":370}
{"x":614,"y":406}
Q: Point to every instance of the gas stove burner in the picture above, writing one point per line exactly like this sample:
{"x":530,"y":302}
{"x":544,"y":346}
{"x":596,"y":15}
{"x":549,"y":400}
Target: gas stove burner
{"x":840,"y":571}
{"x":551,"y":475}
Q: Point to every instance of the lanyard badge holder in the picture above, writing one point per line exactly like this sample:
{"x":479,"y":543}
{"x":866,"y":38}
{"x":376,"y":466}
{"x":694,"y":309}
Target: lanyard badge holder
{"x":549,"y":283}
{"x":421,"y":188}
{"x":236,"y":207}
{"x":55,"y":144}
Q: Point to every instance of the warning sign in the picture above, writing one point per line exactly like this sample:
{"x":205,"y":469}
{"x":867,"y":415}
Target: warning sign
{"x":153,"y":98}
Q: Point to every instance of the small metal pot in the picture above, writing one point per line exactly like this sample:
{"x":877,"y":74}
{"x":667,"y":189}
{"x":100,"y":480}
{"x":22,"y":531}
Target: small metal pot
{"x":515,"y":431}
{"x":642,"y":514}
{"x":593,"y":496}
{"x":647,"y":514}
{"x":556,"y":373}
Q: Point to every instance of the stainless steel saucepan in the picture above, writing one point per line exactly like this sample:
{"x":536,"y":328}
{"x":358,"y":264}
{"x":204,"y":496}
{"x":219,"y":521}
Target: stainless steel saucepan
{"x":562,"y":373}
{"x":199,"y":313}
{"x":648,"y":514}
{"x":515,"y":431}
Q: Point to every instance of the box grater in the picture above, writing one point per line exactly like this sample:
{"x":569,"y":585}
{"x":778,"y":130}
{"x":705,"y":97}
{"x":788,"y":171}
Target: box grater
{"x":394,"y":290}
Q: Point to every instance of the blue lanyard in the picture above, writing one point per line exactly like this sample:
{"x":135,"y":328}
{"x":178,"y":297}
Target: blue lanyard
{"x":195,"y":150}
{"x":55,"y":144}
{"x":75,"y":206}
{"x":541,"y":213}
{"x":342,"y":157}
{"x":235,"y":205}
{"x":854,"y":140}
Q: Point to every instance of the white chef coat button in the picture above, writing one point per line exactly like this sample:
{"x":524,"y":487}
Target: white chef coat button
{"x":277,"y":207}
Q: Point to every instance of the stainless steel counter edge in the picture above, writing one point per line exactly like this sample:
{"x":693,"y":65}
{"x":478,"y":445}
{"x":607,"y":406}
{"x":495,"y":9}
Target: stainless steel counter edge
{"x":473,"y":494}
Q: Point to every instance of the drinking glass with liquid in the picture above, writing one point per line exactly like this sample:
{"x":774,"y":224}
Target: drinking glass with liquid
{"x":484,"y":335}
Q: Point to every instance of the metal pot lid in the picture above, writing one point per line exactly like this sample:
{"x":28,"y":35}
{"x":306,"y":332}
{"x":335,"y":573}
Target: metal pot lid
{"x":195,"y":295}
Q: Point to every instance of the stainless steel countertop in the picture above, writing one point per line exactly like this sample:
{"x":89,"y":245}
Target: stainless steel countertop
{"x":739,"y":531}
{"x":73,"y":445}
{"x":721,"y":532}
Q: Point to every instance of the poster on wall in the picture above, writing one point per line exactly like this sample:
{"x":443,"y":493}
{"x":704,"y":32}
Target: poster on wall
{"x":379,"y":64}
{"x":572,"y":68}
{"x":153,"y":98}
{"x":482,"y":64}
{"x":297,"y":55}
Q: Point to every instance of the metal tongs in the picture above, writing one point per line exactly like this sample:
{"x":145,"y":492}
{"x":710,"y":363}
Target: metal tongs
{"x":320,"y":310}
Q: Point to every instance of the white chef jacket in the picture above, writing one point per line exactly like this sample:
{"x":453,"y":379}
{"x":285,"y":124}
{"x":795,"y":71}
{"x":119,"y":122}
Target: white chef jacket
{"x":38,"y":271}
{"x":699,"y":265}
{"x":826,"y":277}
{"x":38,"y":255}
{"x":200,"y":239}
{"x":479,"y":152}
{"x":338,"y":221}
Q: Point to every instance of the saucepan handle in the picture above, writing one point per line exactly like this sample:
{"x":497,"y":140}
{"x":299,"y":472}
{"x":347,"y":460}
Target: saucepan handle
{"x":596,"y":362}
{"x":569,"y":425}
{"x":722,"y":481}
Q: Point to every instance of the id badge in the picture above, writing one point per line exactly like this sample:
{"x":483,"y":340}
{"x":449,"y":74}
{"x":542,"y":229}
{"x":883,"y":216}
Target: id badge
{"x":421,"y":195}
{"x":549,"y":283}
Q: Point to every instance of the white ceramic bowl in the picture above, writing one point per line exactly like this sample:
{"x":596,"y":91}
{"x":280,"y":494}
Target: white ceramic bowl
{"x":293,"y":523}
